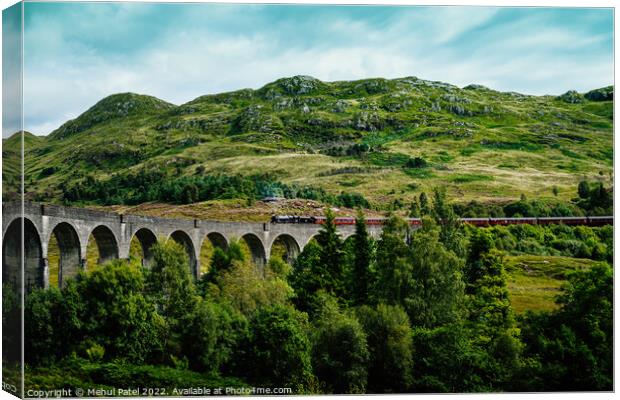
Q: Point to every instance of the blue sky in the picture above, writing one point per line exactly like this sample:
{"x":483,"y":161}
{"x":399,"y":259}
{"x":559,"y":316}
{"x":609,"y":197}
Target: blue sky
{"x":76,"y":54}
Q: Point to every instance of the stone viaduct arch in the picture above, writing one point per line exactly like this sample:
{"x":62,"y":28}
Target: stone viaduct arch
{"x":106,"y":243}
{"x":217,"y":240}
{"x":12,"y":253}
{"x":70,"y":251}
{"x":113,"y":233}
{"x":257,"y":249}
{"x":185,"y":240}
{"x":147,"y":239}
{"x":291,"y":247}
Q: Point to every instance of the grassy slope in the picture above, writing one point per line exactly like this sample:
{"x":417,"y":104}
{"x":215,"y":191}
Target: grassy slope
{"x":535,"y":281}
{"x":481,"y":144}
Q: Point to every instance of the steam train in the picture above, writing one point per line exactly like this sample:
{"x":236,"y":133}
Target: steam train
{"x":591,"y":221}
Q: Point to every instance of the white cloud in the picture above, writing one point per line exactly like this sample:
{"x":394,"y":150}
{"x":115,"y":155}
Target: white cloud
{"x":66,"y":77}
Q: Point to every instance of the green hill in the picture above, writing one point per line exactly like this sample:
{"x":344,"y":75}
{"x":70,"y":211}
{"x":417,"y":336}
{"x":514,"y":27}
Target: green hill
{"x":385,"y":139}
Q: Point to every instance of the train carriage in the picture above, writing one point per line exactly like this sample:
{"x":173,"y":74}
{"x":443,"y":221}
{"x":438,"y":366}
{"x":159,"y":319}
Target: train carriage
{"x":563,"y":220}
{"x":592,"y":221}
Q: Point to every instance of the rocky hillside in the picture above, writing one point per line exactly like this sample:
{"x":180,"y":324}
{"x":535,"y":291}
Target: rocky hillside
{"x":385,"y":139}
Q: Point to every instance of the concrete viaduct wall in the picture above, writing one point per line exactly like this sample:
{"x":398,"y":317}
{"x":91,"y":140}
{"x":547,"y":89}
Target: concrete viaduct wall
{"x":113,"y":233}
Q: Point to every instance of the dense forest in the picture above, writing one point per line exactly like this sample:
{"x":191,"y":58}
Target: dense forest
{"x":416,"y":311}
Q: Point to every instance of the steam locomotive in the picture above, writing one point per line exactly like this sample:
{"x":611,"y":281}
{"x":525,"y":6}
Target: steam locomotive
{"x":591,"y":221}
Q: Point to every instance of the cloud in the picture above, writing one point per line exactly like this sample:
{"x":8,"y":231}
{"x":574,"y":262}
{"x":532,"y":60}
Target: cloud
{"x":180,"y":52}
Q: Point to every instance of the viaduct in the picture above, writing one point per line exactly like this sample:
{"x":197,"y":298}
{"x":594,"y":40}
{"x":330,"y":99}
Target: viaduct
{"x":113,"y":233}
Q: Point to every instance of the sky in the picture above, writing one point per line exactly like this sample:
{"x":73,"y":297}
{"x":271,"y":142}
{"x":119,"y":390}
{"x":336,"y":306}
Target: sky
{"x":77,"y":53}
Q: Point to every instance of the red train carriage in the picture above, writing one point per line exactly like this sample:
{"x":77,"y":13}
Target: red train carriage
{"x":476,"y":221}
{"x":563,"y":220}
{"x":592,"y":221}
{"x":512,"y":221}
{"x":601,"y":221}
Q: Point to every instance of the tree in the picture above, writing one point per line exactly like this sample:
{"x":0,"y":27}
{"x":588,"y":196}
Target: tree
{"x":171,"y":287}
{"x":583,"y":190}
{"x":451,"y":234}
{"x":490,"y":313}
{"x":115,"y":314}
{"x":425,"y":208}
{"x":573,"y":346}
{"x":212,"y":335}
{"x":414,"y":209}
{"x":277,"y":351}
{"x":446,"y":361}
{"x":246,"y":289}
{"x":43,"y":343}
{"x":362,"y":257}
{"x":308,"y":276}
{"x":480,"y":243}
{"x":331,"y":256}
{"x":339,"y":349}
{"x":435,"y":290}
{"x":393,"y":282}
{"x":389,"y":338}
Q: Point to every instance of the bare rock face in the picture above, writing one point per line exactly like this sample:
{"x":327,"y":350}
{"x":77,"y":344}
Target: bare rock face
{"x":572,"y":97}
{"x":602,"y":94}
{"x":300,"y":84}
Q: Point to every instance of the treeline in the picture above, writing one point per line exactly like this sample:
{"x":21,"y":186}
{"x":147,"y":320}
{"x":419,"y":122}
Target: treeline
{"x":593,"y":199}
{"x":415,"y":311}
{"x":554,"y":240}
{"x":145,"y":186}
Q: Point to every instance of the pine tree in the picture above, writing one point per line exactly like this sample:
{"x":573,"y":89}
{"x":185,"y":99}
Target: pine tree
{"x":414,"y":210}
{"x":451,"y":234}
{"x":362,"y":258}
{"x":491,"y":314}
{"x":393,"y":269}
{"x":424,"y":206}
{"x":331,"y":256}
{"x":583,"y":190}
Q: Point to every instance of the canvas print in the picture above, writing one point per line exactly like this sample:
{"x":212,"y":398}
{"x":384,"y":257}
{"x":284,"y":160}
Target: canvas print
{"x":252,"y":199}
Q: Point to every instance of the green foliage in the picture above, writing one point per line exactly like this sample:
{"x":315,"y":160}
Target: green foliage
{"x":77,"y":372}
{"x":43,"y":342}
{"x":393,"y":282}
{"x":490,"y":311}
{"x":389,"y":338}
{"x":103,"y":314}
{"x":156,"y":185}
{"x":308,"y":276}
{"x":446,"y":361}
{"x":553,"y":240}
{"x":246,"y":289}
{"x":277,"y":352}
{"x":116,"y":315}
{"x":432,"y":313}
{"x":339,"y":349}
{"x":212,"y":335}
{"x":171,"y":286}
{"x":11,"y":324}
{"x":331,"y":256}
{"x":573,"y":346}
{"x":451,"y":234}
{"x":593,"y":199}
{"x":435,"y":293}
{"x":361,"y":277}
